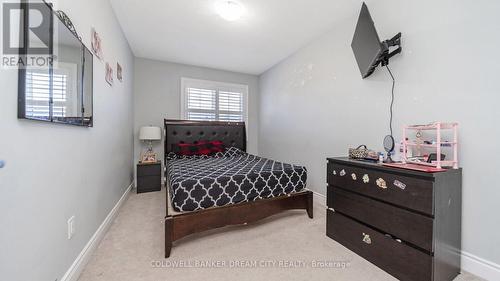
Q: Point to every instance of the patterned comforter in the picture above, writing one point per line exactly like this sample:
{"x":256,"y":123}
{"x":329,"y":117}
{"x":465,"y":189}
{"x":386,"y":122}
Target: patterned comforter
{"x":229,"y":178}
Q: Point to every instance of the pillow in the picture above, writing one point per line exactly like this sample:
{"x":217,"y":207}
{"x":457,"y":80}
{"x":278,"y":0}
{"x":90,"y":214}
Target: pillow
{"x":199,"y":148}
{"x":233,"y":151}
{"x":215,"y":146}
{"x":190,"y":149}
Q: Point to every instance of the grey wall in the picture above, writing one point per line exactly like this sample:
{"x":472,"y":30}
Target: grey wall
{"x":157,"y":94}
{"x":53,"y":171}
{"x":316,"y":104}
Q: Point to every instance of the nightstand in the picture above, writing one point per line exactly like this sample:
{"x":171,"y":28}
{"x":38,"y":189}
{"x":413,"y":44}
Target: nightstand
{"x":148,"y":177}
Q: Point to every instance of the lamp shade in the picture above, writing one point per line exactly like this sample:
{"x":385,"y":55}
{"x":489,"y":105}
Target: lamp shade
{"x":150,"y":133}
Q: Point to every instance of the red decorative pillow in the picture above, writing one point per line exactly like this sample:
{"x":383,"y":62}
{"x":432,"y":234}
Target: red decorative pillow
{"x":215,"y":146}
{"x":199,"y":148}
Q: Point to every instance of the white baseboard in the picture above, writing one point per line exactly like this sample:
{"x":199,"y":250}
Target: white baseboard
{"x":319,"y":199}
{"x":480,"y":267}
{"x":83,"y":258}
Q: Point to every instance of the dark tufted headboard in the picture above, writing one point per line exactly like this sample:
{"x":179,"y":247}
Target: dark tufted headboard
{"x":182,"y":131}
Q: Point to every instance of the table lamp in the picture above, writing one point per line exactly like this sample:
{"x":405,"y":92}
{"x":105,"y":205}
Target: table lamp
{"x":149,"y":134}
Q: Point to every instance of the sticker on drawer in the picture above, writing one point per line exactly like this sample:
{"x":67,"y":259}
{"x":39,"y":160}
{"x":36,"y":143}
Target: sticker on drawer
{"x":399,"y":184}
{"x":366,"y":178}
{"x":381,"y":183}
{"x":367,"y":239}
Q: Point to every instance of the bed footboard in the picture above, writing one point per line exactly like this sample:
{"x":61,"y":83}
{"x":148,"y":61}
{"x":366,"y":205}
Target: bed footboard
{"x":182,"y":225}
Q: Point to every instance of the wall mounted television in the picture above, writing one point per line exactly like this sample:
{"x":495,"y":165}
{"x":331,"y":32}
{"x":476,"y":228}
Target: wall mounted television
{"x":366,"y":45}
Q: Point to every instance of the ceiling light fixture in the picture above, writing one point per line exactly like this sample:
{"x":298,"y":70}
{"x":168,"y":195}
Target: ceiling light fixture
{"x":229,"y":10}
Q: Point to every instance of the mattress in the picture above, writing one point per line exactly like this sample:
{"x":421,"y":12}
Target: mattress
{"x":197,"y":183}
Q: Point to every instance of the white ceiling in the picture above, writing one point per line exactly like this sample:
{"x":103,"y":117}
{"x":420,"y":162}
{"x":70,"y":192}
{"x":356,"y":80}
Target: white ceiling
{"x":190,"y":32}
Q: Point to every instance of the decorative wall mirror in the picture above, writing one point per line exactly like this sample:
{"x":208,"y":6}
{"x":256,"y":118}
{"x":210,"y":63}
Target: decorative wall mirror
{"x":61,"y":90}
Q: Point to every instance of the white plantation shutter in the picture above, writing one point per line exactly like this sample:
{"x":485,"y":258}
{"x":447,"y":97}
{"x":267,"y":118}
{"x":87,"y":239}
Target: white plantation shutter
{"x":201,"y":104}
{"x":38,"y":94}
{"x":213,"y":101}
{"x":231,"y":106}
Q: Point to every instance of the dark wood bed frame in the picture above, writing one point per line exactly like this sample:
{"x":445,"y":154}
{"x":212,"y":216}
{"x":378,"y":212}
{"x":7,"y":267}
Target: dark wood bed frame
{"x":181,"y":225}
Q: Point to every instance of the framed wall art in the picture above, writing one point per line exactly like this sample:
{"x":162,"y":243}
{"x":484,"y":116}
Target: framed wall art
{"x":96,"y":44}
{"x":119,"y":72}
{"x":109,"y":74}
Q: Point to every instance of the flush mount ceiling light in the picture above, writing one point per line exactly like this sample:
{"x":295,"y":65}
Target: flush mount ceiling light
{"x":229,"y":10}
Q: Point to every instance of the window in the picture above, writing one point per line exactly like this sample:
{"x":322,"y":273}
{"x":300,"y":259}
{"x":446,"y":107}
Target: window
{"x":38,"y":92}
{"x":213,"y":101}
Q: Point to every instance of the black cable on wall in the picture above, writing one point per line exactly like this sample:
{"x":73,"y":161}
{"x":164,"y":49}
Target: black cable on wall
{"x":392,"y":98}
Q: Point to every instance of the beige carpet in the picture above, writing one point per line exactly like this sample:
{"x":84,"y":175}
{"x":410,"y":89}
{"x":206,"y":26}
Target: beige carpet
{"x":283,"y":247}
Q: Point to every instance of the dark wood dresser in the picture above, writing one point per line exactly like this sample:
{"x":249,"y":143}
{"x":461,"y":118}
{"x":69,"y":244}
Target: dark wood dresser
{"x":408,"y":223}
{"x":148,"y":177}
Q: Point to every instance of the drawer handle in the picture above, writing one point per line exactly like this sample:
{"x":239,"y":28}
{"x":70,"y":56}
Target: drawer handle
{"x":367,"y":239}
{"x":381,"y":183}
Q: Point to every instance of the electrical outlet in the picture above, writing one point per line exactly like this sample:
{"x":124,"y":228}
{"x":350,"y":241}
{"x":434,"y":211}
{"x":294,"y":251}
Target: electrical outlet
{"x":71,"y":227}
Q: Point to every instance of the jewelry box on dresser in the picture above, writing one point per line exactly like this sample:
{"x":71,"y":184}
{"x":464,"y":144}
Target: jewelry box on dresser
{"x":406,"y":222}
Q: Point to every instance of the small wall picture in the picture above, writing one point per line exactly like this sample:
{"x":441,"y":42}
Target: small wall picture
{"x":119,"y":75}
{"x":109,"y":74}
{"x":96,"y":44}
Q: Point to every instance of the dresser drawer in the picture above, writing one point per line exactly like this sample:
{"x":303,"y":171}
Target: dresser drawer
{"x":409,"y":192}
{"x":398,"y":259}
{"x":149,"y":170}
{"x":402,"y":224}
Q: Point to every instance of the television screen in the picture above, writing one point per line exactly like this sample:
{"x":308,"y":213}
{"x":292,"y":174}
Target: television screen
{"x":366,"y":44}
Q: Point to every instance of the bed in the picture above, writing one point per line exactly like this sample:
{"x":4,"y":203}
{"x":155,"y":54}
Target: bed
{"x":228,"y":188}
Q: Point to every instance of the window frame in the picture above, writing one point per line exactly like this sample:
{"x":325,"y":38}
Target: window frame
{"x":217,"y":86}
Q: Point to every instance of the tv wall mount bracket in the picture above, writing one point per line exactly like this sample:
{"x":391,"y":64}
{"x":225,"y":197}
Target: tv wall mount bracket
{"x":393,"y":42}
